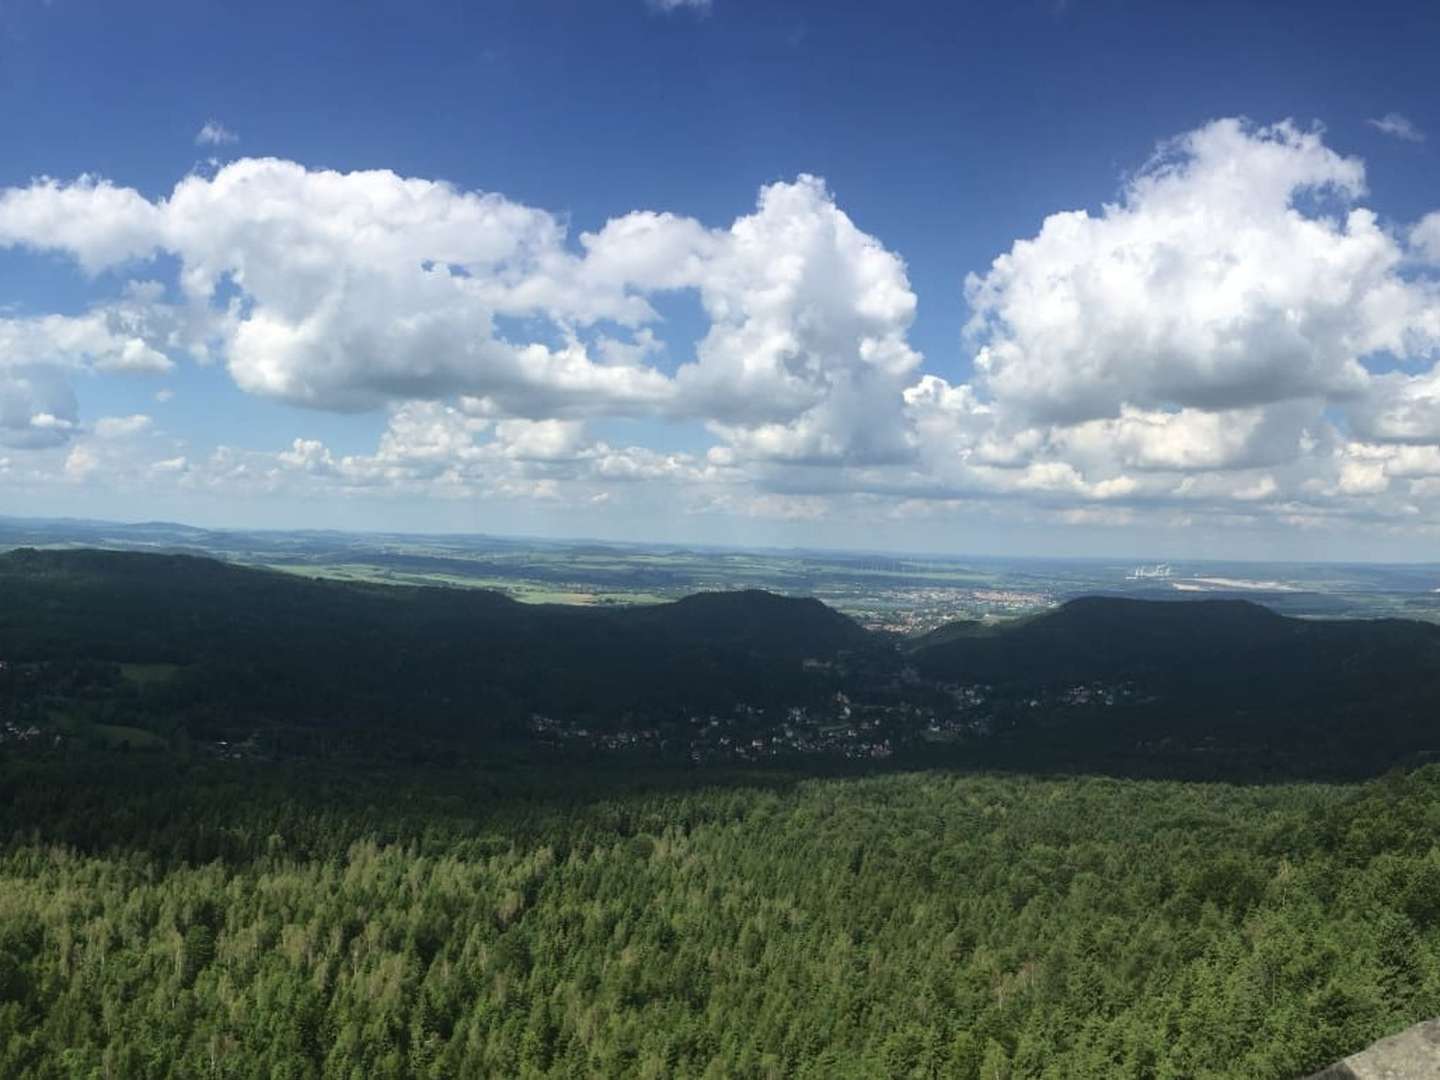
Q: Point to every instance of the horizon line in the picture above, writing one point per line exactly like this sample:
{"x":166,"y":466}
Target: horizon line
{"x":695,"y":545}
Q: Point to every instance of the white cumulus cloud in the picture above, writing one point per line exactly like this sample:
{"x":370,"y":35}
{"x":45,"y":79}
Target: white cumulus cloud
{"x":1211,"y":284}
{"x":349,"y":290}
{"x":1237,"y":334}
{"x":101,"y":225}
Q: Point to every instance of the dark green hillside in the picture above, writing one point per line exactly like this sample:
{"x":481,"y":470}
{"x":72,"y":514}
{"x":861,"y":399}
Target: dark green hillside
{"x":110,"y":605}
{"x":258,"y":645}
{"x":1223,"y":672}
{"x":752,"y":620}
{"x":1179,"y":641}
{"x":1218,"y":687}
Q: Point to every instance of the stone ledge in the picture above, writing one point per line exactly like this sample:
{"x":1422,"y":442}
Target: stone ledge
{"x":1414,"y":1054}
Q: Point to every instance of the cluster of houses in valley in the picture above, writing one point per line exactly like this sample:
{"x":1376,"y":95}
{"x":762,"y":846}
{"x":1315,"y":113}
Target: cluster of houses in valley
{"x":22,"y":736}
{"x":1098,"y":693}
{"x":745,"y":733}
{"x":838,"y":728}
{"x":19,"y":734}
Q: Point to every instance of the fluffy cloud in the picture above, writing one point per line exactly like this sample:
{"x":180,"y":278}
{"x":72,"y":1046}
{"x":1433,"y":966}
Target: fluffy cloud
{"x":1212,"y":336}
{"x":443,"y":450}
{"x":360,"y":288}
{"x":1400,"y":408}
{"x":1206,"y":286}
{"x":111,"y":339}
{"x":349,"y":290}
{"x":806,"y":352}
{"x":1236,"y":335}
{"x":40,"y":355}
{"x":100,"y":225}
{"x":1425,"y":238}
{"x":806,"y":355}
{"x":1191,"y":440}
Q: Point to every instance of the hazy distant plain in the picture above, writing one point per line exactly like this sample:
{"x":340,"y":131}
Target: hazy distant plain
{"x":906,"y":593}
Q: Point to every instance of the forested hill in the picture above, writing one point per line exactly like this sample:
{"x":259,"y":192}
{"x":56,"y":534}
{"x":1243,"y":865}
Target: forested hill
{"x":182,"y":608}
{"x":1196,"y":640}
{"x":1213,"y":677}
{"x":257,"y":643}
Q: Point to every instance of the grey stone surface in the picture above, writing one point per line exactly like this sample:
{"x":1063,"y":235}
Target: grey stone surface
{"x":1414,"y":1054}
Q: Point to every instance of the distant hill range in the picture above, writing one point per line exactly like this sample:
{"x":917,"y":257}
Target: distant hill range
{"x":1219,"y":680}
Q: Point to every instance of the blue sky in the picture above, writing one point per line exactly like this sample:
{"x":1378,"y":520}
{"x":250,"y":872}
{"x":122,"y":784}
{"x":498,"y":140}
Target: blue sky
{"x":944,"y":135}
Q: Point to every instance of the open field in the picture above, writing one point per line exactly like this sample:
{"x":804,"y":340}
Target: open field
{"x":73,"y":723}
{"x":527,"y":592}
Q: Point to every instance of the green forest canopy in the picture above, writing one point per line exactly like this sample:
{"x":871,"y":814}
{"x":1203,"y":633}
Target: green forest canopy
{"x":239,"y":921}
